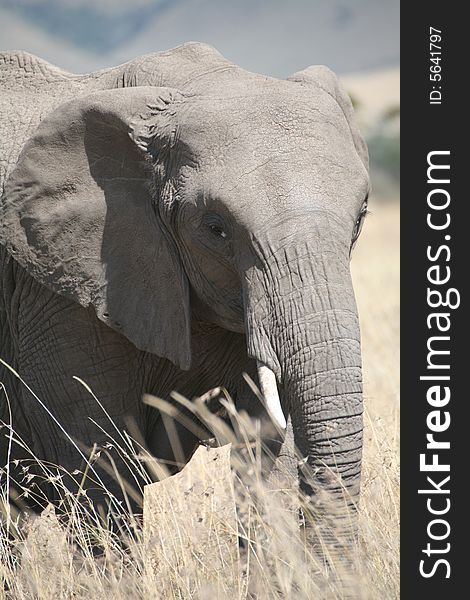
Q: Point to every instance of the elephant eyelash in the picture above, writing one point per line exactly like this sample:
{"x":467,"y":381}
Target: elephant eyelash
{"x":357,"y":228}
{"x":359,"y":224}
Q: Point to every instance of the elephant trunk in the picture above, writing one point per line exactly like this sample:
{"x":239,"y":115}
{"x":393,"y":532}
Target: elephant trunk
{"x":323,"y":395}
{"x":303,"y":325}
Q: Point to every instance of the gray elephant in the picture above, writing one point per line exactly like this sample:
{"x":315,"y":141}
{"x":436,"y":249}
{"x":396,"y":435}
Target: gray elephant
{"x":169,"y":224}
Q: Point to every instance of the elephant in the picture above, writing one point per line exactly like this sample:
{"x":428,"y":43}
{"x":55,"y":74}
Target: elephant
{"x":170,"y":224}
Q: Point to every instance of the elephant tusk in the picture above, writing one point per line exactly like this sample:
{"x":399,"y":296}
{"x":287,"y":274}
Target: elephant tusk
{"x":268,"y":385}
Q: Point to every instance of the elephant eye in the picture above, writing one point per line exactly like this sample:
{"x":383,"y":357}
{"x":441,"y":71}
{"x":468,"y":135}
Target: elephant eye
{"x":218,"y":231}
{"x":216,"y":226}
{"x":358,"y":224}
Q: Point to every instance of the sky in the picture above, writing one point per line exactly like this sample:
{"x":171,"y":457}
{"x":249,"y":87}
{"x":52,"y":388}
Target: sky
{"x":274,"y":37}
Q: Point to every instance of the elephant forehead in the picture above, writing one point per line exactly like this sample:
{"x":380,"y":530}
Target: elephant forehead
{"x":280,"y":183}
{"x":259,"y":136}
{"x":280,"y":112}
{"x":281,"y":170}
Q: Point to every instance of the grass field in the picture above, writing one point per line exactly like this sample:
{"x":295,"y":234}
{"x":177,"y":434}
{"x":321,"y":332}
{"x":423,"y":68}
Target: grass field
{"x":375,"y":269}
{"x":45,"y":562}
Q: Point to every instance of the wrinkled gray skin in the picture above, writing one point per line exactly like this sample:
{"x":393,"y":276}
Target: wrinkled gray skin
{"x":171,"y":221}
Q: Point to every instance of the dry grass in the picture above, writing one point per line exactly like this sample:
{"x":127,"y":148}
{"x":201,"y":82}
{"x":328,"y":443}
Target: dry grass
{"x":375,"y":268}
{"x":43,"y":559}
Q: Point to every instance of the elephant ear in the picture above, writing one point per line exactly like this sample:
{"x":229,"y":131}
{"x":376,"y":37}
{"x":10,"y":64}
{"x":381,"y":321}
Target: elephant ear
{"x":325,"y":79}
{"x":78,"y":215}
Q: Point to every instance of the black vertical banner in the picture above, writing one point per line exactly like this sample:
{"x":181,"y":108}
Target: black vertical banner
{"x":435,"y":232}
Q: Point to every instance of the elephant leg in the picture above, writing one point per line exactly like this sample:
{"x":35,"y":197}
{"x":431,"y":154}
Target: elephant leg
{"x":171,"y":444}
{"x":12,"y":475}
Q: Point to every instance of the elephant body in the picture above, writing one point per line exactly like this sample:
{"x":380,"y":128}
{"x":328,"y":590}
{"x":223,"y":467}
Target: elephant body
{"x":170,"y":224}
{"x":38,"y":327}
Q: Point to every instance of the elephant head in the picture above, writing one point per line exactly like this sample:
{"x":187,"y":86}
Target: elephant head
{"x":236,"y":204}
